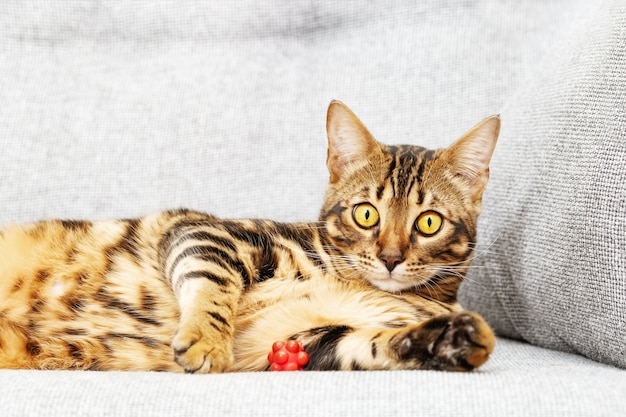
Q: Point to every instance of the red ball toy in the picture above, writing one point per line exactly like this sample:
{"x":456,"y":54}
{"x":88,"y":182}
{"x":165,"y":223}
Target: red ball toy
{"x":287,"y":356}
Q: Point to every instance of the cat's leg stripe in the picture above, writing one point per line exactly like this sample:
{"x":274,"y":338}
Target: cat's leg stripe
{"x":201,"y":274}
{"x":322,"y":349}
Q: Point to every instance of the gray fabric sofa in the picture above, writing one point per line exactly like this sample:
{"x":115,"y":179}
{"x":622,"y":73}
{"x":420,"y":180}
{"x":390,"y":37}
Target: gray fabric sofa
{"x":117,"y":109}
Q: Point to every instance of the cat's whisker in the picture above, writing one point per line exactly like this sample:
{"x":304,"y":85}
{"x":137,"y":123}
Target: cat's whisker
{"x":475,"y":282}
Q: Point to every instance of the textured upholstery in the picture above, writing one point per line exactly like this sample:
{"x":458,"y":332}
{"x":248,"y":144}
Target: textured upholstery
{"x":520,"y":381}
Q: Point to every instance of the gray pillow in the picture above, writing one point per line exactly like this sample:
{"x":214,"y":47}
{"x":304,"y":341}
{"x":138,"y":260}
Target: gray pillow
{"x":550,"y":266}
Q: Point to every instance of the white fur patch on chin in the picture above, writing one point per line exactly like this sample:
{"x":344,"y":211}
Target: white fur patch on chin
{"x":389,"y":285}
{"x":390,"y":282}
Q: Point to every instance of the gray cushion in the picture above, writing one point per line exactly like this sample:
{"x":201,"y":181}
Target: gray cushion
{"x":551,"y":264}
{"x":520,"y":381}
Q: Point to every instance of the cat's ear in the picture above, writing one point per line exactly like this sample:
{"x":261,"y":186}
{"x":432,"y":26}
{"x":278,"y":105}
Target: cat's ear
{"x":349,"y":142}
{"x":468,"y":158}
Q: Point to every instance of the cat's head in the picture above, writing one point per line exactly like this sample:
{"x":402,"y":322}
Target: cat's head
{"x":404,"y":217}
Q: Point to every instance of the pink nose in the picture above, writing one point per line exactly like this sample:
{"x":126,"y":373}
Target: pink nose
{"x":391,"y":258}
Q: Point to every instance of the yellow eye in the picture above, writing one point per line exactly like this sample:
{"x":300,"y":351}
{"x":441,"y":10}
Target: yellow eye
{"x":365,"y":215}
{"x":429,"y":223}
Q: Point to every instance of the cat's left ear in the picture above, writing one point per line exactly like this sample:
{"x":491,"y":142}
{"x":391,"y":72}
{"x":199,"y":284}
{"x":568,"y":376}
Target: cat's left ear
{"x":468,"y":158}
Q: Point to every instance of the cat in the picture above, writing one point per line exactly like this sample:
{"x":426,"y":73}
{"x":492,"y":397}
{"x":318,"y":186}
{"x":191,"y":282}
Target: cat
{"x":371,"y":285}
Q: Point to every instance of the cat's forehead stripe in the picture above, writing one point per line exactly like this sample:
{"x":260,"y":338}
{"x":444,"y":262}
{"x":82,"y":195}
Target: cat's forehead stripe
{"x":406,"y":168}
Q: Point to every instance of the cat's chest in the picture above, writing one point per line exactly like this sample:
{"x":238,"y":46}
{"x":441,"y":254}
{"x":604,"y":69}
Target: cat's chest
{"x":286,"y":284}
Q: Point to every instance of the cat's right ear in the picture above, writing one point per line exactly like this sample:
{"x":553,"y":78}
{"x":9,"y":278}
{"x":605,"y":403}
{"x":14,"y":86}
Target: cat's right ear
{"x":349,"y":142}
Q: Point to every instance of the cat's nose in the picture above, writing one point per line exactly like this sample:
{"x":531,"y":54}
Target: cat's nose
{"x":391,"y":258}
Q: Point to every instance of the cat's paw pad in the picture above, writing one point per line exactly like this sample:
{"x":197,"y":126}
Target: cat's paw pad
{"x":197,"y":354}
{"x":466,"y":343}
{"x":458,"y":342}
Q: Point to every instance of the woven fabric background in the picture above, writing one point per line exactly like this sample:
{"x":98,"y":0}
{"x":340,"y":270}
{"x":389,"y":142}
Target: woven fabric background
{"x":120,"y":108}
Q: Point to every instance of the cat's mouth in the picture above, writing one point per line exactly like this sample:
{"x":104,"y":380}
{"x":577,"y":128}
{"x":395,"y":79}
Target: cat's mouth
{"x":399,"y":280}
{"x":395,"y":281}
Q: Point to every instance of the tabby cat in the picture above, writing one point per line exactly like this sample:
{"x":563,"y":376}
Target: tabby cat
{"x":371,"y":285}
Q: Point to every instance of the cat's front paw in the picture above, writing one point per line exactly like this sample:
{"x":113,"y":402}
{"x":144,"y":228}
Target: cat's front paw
{"x":198,"y":354}
{"x":455,"y":342}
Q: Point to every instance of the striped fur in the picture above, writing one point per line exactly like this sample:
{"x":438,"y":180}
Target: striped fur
{"x":185,"y":291}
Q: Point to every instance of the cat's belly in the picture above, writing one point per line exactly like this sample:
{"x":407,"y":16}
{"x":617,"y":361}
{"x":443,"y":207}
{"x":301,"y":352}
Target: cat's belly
{"x":279,"y":309}
{"x":67,"y":308}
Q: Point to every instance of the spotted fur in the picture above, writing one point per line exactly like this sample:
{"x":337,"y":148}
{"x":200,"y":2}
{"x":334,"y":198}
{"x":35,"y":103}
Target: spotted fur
{"x":185,"y":291}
